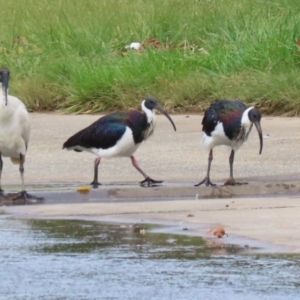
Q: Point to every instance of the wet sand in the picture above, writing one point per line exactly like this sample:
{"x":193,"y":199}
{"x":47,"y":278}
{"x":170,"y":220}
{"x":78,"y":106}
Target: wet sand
{"x":267,"y":209}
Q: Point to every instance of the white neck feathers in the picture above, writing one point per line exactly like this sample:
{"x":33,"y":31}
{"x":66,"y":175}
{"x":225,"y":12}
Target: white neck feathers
{"x":2,"y":96}
{"x":245,"y":118}
{"x":149,"y":113}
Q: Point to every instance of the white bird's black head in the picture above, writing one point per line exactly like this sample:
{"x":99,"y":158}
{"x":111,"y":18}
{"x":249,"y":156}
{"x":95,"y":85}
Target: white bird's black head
{"x":254,"y":116}
{"x":151,"y":103}
{"x":4,"y":78}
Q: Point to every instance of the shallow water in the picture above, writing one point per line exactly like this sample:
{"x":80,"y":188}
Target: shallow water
{"x":73,"y":259}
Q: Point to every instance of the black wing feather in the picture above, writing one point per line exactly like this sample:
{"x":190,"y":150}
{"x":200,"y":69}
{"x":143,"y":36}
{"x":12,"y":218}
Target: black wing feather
{"x":104,"y":133}
{"x":210,"y":120}
{"x":228,"y":112}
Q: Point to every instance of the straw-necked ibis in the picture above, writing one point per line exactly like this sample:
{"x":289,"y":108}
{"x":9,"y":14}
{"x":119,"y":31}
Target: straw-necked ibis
{"x":228,"y":122}
{"x":118,"y":134}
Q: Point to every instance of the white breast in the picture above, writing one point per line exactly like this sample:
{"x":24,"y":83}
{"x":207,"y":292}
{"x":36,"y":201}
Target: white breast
{"x":14,"y":128}
{"x":218,"y":138}
{"x":124,"y":147}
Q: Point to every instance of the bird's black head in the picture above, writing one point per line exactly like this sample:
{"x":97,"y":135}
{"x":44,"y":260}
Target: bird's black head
{"x":254,"y":116}
{"x":151,"y":103}
{"x":4,"y":78}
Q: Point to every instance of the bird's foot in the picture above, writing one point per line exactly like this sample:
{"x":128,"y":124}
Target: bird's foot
{"x":206,"y":181}
{"x":231,"y":181}
{"x":150,"y":182}
{"x":23,"y":195}
{"x":95,"y":184}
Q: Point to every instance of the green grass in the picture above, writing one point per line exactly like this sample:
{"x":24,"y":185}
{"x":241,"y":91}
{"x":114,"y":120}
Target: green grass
{"x":69,"y":54}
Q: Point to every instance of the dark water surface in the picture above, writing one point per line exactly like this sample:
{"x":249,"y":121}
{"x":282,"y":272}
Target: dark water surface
{"x":73,"y":259}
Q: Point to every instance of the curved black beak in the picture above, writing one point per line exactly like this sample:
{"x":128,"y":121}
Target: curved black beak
{"x":257,"y":125}
{"x":4,"y":80}
{"x":160,"y":109}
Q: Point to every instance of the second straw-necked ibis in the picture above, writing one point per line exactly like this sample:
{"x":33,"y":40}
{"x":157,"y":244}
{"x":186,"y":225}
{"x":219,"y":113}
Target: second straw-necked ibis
{"x":118,"y":134}
{"x":228,"y":122}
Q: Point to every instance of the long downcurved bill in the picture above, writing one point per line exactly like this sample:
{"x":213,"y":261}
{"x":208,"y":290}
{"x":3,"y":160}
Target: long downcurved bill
{"x":4,"y":87}
{"x":257,"y":125}
{"x":160,"y":109}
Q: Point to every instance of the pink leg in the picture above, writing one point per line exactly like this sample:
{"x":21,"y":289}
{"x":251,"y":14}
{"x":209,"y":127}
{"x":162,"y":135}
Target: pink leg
{"x":147,"y":180}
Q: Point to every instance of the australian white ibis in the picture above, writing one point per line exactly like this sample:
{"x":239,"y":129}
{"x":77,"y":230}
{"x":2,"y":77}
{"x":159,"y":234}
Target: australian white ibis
{"x":14,"y":129}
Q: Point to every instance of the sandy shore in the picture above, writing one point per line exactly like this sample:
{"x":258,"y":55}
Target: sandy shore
{"x":272,"y":220}
{"x":267,"y":209}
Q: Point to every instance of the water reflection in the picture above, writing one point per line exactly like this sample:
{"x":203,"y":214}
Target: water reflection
{"x":76,"y":236}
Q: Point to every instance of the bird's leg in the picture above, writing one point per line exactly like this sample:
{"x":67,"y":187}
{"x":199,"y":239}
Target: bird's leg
{"x":1,"y":167}
{"x":231,"y":180}
{"x":95,"y":182}
{"x":21,"y":169}
{"x":149,"y":181}
{"x":23,"y":194}
{"x":206,"y":180}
